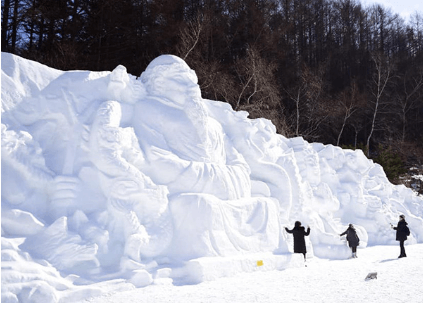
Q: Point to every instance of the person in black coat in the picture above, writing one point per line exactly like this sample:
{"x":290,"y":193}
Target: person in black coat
{"x":299,"y":241}
{"x":352,"y":238}
{"x":402,"y":232}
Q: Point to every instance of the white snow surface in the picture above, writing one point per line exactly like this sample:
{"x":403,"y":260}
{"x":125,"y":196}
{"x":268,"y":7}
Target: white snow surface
{"x":322,"y":281}
{"x":118,"y":188}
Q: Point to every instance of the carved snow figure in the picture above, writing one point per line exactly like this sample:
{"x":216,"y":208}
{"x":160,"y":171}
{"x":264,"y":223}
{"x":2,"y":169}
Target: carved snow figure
{"x":181,"y":139}
{"x":317,"y":203}
{"x":22,"y":162}
{"x":135,"y":205}
{"x":121,"y":88}
{"x":201,"y":168}
{"x":25,"y":196}
{"x":270,"y":160}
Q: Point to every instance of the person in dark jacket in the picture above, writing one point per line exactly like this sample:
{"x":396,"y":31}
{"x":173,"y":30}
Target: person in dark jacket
{"x":352,"y":238}
{"x":402,"y":233}
{"x":299,"y":241}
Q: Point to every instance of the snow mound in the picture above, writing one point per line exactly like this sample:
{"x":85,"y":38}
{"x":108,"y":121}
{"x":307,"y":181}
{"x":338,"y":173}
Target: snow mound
{"x":111,"y":182}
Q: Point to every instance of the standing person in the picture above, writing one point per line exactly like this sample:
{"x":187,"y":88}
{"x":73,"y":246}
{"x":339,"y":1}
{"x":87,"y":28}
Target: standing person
{"x":402,"y":232}
{"x":352,"y":238}
{"x":299,"y":242}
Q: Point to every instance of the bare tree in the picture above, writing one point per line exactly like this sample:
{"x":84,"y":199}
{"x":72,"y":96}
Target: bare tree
{"x":257,"y":88}
{"x":255,"y":76}
{"x":347,"y":104}
{"x":382,"y":74}
{"x":258,"y":91}
{"x":11,"y":19}
{"x":310,"y":107}
{"x":190,"y":35}
{"x":5,"y":8}
{"x":296,"y":95}
{"x":409,"y":97}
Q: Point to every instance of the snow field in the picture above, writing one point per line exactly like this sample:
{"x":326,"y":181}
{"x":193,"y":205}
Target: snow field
{"x":322,"y":281}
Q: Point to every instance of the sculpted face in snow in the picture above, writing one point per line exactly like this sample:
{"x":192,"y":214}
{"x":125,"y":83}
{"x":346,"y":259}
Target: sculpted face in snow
{"x":169,"y":76}
{"x":188,"y":130}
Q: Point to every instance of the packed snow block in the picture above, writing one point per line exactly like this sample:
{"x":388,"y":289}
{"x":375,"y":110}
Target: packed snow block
{"x":260,"y":188}
{"x":29,"y":280}
{"x":206,"y":226}
{"x":65,"y":250}
{"x":163,"y":276}
{"x":212,"y":268}
{"x":141,"y":278}
{"x":38,"y":292}
{"x":23,"y":78}
{"x":19,"y":223}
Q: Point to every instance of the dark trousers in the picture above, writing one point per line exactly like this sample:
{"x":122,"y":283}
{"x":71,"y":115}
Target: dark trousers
{"x":354,"y":249}
{"x":402,"y":254}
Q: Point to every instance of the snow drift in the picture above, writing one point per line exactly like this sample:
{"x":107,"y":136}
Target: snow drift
{"x":110,"y":181}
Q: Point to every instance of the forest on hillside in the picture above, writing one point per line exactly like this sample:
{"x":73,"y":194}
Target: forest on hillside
{"x":331,"y":71}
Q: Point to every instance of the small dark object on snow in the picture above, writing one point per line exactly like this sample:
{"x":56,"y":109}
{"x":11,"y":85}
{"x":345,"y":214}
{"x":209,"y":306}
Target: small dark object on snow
{"x":371,"y":276}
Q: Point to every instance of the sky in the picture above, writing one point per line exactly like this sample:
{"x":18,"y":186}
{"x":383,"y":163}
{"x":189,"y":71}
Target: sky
{"x":403,"y":7}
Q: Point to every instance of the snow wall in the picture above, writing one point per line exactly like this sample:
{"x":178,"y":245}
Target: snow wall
{"x":108,"y":177}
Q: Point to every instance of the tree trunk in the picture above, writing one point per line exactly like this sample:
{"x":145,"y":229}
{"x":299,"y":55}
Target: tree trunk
{"x":4,"y":25}
{"x":383,"y":74}
{"x":14,"y":26}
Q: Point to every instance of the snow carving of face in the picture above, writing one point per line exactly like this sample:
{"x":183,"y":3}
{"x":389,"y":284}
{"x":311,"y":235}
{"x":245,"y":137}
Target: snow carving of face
{"x":109,"y":114}
{"x":313,"y":170}
{"x":311,"y":165}
{"x":170,"y":77}
{"x":118,"y":83}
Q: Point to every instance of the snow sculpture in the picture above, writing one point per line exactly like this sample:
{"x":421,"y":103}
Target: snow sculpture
{"x":199,"y":165}
{"x":106,"y":176}
{"x":318,"y":204}
{"x":139,"y":222}
{"x":25,"y":199}
{"x":181,"y":139}
{"x":122,"y":89}
{"x":23,"y":172}
{"x":365,"y":195}
{"x":264,"y":153}
{"x":89,"y":190}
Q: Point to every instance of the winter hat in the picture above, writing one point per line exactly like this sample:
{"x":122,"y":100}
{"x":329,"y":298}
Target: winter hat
{"x":297,"y":223}
{"x":402,"y":217}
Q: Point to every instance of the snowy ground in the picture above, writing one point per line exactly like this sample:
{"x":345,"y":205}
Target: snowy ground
{"x":322,"y":281}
